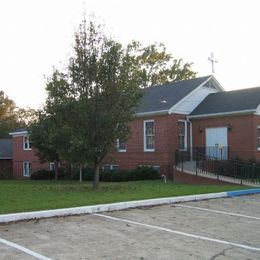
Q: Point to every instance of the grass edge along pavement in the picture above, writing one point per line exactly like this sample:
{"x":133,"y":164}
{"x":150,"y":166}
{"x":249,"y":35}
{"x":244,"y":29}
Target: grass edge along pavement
{"x":119,"y":206}
{"x":26,"y":196}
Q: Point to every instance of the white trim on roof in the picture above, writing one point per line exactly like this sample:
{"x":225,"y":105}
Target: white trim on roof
{"x":240,"y":112}
{"x":172,"y":109}
{"x":152,"y":113}
{"x":19,"y":133}
{"x":217,"y":83}
{"x":6,"y":158}
{"x":258,"y":110}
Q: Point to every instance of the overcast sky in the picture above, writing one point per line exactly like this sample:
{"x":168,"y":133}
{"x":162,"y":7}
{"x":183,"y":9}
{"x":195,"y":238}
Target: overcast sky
{"x":38,"y":34}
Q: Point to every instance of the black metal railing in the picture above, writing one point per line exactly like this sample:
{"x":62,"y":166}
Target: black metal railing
{"x":218,"y":163}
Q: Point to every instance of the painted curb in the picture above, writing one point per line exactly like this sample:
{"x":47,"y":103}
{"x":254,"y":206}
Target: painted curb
{"x":5,"y":218}
{"x":242,"y":192}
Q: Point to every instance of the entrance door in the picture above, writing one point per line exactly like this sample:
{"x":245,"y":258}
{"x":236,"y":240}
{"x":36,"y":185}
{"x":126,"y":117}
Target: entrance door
{"x":216,"y":143}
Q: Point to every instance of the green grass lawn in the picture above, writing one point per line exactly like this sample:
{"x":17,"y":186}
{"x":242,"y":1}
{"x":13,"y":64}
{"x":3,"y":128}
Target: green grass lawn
{"x":22,"y":196}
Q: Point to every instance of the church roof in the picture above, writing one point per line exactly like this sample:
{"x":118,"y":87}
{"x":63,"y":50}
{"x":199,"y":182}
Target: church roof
{"x":163,"y":97}
{"x":244,"y":100}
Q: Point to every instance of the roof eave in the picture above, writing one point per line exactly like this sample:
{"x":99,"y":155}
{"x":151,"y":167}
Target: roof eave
{"x":231,"y":113}
{"x":152,"y":113}
{"x":18,"y":133}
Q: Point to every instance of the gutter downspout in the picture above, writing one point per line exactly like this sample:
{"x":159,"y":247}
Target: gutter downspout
{"x":191,"y":139}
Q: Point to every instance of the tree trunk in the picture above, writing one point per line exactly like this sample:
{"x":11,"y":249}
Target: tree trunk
{"x":56,"y":170}
{"x":96,"y":175}
{"x":80,"y":173}
{"x":71,"y":171}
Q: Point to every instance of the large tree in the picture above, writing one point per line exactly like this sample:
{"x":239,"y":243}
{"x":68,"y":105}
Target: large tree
{"x":106,"y":87}
{"x":43,"y":135}
{"x":94,"y":100}
{"x":48,"y":132}
{"x":156,"y":66}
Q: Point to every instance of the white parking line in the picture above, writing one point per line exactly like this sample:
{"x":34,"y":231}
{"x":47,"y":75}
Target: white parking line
{"x":24,"y":249}
{"x":181,"y":233}
{"x":218,"y":211}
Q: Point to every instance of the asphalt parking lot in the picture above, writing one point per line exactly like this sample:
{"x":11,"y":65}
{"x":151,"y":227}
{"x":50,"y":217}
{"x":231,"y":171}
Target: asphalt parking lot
{"x":226,"y":228}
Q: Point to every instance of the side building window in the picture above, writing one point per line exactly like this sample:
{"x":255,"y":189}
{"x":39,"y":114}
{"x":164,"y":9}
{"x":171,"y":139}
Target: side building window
{"x":26,"y":143}
{"x":109,"y":167}
{"x":52,"y":166}
{"x":27,"y":169}
{"x":120,"y":145}
{"x":258,"y":137}
{"x":182,"y":135}
{"x":149,"y":136}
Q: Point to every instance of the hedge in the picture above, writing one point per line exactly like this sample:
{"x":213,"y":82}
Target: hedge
{"x":43,"y":175}
{"x":140,"y":173}
{"x":6,"y":175}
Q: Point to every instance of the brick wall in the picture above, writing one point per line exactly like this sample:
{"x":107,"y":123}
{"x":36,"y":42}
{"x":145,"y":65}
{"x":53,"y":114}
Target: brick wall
{"x":6,"y":166}
{"x":20,"y":155}
{"x":256,"y":123}
{"x":242,"y":137}
{"x":166,"y":143}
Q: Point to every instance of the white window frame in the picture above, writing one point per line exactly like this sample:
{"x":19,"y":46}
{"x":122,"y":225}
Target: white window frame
{"x":52,"y":166}
{"x":118,"y":146}
{"x":111,"y":166}
{"x":185,"y":135}
{"x":258,"y":138}
{"x":27,"y":170}
{"x":26,"y":144}
{"x":145,"y":149}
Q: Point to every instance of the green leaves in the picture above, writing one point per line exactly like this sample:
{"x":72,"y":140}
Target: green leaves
{"x":91,"y":104}
{"x":12,"y":117}
{"x":155,"y":66}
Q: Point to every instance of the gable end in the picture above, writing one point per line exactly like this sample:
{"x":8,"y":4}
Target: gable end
{"x":194,"y":98}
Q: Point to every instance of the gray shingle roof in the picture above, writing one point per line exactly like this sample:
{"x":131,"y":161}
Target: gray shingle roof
{"x":230,"y":101}
{"x":6,"y":149}
{"x":163,"y":97}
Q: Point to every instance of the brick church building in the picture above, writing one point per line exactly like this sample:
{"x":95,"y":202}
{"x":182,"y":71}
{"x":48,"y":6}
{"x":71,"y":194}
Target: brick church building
{"x":180,"y":116}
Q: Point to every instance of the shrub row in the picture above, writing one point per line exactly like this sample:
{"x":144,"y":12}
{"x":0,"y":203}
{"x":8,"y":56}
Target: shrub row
{"x":43,"y":175}
{"x":140,"y":173}
{"x":6,"y":175}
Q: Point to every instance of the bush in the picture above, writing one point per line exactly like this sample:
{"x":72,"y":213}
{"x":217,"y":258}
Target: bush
{"x":6,"y":175}
{"x":145,"y":173}
{"x":116,"y":175}
{"x":87,"y":174}
{"x":43,"y":175}
{"x":140,"y":173}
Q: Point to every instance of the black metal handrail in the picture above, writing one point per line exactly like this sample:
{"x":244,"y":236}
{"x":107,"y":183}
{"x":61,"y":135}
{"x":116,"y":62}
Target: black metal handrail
{"x":199,"y":160}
